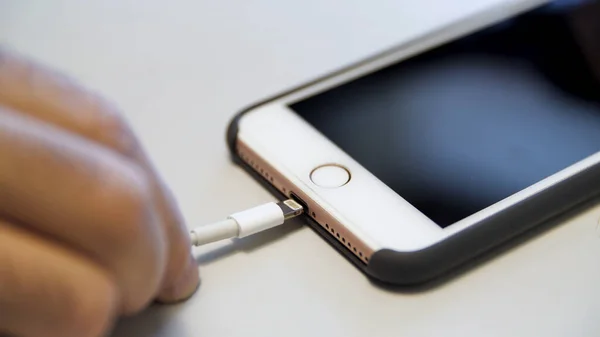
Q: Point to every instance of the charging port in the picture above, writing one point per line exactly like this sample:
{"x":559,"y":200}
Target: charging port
{"x":300,"y":201}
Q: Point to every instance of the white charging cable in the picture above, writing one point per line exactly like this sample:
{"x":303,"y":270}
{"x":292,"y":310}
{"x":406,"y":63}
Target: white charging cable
{"x":248,"y":222}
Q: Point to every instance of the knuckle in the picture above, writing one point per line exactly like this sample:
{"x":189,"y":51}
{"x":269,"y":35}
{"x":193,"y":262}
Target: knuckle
{"x":112,"y":127}
{"x":128,"y":206}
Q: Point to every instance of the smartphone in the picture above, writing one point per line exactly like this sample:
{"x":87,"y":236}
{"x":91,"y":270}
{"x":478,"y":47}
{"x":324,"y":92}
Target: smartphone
{"x":418,"y":160}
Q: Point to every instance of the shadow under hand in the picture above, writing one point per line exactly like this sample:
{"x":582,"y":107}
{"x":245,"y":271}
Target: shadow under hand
{"x":156,"y":321}
{"x":250,"y":243}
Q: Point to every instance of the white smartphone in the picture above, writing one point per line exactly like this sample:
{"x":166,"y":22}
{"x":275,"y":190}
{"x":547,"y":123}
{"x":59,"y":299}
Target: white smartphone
{"x":420,"y":159}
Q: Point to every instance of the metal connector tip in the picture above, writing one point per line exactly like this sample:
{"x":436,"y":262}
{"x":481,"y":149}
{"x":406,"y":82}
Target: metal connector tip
{"x":290,"y":208}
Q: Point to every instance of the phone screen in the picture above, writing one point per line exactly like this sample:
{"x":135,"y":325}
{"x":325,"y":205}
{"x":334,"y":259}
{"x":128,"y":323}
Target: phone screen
{"x":462,"y":127}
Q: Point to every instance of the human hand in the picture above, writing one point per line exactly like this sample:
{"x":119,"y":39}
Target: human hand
{"x":88,"y":231}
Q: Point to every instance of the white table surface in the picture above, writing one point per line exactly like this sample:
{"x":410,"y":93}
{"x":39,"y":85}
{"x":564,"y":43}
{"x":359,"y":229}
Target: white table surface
{"x":181,"y":69}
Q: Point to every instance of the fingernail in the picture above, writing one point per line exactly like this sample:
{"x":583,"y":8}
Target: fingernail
{"x":184,"y":288}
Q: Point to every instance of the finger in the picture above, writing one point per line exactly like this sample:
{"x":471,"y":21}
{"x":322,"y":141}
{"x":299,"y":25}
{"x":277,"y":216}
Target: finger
{"x":48,"y":96}
{"x":85,"y":196}
{"x":46,"y":290}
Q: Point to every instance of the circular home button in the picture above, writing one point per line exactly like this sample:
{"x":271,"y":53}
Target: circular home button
{"x":330,"y":176}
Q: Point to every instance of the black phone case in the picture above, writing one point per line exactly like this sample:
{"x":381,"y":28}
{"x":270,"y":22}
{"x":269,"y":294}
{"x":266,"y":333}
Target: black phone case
{"x":430,"y":264}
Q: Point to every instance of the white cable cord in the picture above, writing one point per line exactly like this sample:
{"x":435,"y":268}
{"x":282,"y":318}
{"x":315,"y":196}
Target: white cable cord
{"x":217,"y":231}
{"x":248,"y":222}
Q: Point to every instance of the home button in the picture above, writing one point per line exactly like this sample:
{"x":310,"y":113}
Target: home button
{"x":330,"y":176}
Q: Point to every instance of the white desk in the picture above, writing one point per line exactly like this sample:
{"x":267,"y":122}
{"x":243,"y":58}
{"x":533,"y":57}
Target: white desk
{"x":181,"y":69}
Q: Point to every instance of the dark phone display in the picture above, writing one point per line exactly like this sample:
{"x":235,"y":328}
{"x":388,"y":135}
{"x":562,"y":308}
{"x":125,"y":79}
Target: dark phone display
{"x":460,"y":128}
